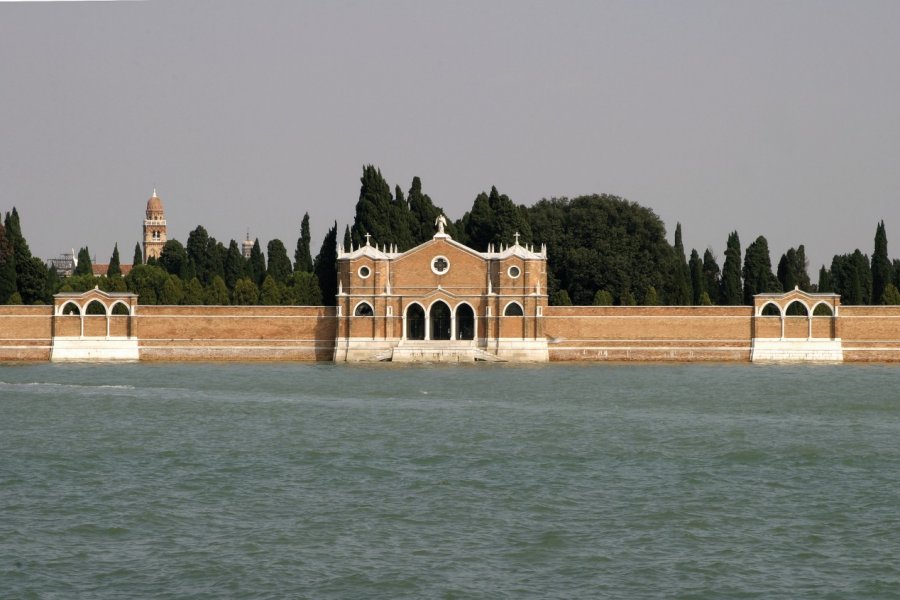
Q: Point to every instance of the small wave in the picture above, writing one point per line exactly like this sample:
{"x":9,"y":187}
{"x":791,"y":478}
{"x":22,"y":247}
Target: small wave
{"x":65,"y":385}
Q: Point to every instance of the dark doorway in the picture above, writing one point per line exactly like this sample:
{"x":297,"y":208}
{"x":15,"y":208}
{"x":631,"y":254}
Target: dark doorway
{"x":465,"y":322}
{"x":440,"y":321}
{"x":415,"y":322}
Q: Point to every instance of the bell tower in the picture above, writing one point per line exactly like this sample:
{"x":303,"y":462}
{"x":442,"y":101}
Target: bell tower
{"x":155,"y":230}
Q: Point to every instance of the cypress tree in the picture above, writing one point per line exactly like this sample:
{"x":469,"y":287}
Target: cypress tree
{"x":881,"y":265}
{"x":757,"y":272}
{"x":114,"y":269}
{"x":31,"y":272}
{"x":373,"y":209}
{"x":348,"y":239}
{"x":698,"y":281}
{"x":193,"y":292}
{"x":732,"y":290}
{"x":7,"y":267}
{"x":279,"y":264}
{"x":85,"y":267}
{"x":825,"y":285}
{"x":174,"y":260}
{"x":138,"y":255}
{"x":199,"y":256}
{"x":234,"y":266}
{"x":325,"y":267}
{"x":256,"y":268}
{"x":303,"y":256}
{"x":216,"y":294}
{"x":712,"y":276}
{"x":245,"y":292}
{"x":680,"y":293}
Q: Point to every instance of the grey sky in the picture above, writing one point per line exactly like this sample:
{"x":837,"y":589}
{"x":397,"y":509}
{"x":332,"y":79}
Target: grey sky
{"x":772,"y":118}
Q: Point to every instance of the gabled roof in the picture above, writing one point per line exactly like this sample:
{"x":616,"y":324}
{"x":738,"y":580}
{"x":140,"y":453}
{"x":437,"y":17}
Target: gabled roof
{"x":375,"y":252}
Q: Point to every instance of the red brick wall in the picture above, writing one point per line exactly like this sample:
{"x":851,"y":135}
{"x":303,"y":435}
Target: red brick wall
{"x":25,"y":332}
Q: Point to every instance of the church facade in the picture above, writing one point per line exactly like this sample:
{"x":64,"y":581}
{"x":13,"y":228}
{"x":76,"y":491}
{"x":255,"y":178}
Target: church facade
{"x":441,"y":302}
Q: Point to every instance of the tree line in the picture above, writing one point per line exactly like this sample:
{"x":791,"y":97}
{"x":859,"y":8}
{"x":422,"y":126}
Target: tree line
{"x":601,"y":250}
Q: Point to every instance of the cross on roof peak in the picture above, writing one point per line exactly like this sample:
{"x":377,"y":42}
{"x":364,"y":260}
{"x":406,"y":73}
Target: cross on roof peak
{"x":517,"y":238}
{"x":367,"y":239}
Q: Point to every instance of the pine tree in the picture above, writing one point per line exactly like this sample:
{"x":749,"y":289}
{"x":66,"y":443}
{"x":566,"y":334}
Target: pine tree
{"x":114,"y":269}
{"x":303,"y":256}
{"x":325,"y":267}
{"x":85,"y":266}
{"x":881,"y":265}
{"x":732,"y":289}
{"x":138,"y":255}
{"x":279,"y":266}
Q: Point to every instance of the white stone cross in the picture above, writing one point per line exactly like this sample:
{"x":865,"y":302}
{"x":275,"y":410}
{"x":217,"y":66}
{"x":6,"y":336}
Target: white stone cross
{"x":367,"y":239}
{"x":517,"y":238}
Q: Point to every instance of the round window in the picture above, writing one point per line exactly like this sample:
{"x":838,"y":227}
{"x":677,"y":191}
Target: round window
{"x":364,"y":271}
{"x":440,"y":265}
{"x":514,"y":272}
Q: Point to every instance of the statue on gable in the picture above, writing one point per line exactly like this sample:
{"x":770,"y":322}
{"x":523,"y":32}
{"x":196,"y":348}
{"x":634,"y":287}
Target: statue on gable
{"x":440,"y":223}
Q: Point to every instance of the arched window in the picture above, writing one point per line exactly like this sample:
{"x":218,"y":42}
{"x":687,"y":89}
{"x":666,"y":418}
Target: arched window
{"x":771,"y":310}
{"x":95,"y":308}
{"x":120,"y":309}
{"x":796,"y":309}
{"x":513,"y":309}
{"x":71,"y":308}
{"x":465,"y":322}
{"x":363,"y":309}
{"x":415,"y":322}
{"x":440,"y":321}
{"x":823,"y":310}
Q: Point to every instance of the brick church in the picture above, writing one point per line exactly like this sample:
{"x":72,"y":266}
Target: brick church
{"x":441,"y":301}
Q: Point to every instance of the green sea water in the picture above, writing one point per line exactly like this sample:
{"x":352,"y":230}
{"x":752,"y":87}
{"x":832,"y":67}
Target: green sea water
{"x":486,"y":481}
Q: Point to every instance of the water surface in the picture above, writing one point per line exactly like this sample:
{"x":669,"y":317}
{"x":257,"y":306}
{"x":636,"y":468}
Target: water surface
{"x":485,"y":481}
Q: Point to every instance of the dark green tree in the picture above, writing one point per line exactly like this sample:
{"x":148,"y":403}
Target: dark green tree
{"x":115,"y":268}
{"x":698,"y":280}
{"x":193,"y":292}
{"x":216,"y":294}
{"x":270,"y":294}
{"x":147,"y":281}
{"x":303,"y":290}
{"x":31,"y":272}
{"x":234,"y":266}
{"x":825,"y":285}
{"x":712,"y":276}
{"x":732,"y":289}
{"x":279,"y":266}
{"x":679,"y":292}
{"x":792,"y":270}
{"x":757,"y":271}
{"x":174,"y":259}
{"x":851,"y":276}
{"x":138,"y":255}
{"x":325,"y":267}
{"x":348,"y":239}
{"x":84,"y":267}
{"x":7,"y":267}
{"x":303,"y":256}
{"x":256,"y":267}
{"x":198,"y":252}
{"x":373,"y":210}
{"x":882,"y":270}
{"x":245,"y":292}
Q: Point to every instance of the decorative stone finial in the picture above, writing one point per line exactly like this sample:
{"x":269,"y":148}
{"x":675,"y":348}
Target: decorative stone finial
{"x":440,"y":223}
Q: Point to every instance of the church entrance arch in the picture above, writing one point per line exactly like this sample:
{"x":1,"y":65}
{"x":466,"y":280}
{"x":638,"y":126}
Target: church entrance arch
{"x":465,"y":322}
{"x":439,"y":315}
{"x":415,"y":322}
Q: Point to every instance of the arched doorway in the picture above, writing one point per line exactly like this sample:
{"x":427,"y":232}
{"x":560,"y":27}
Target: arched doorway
{"x":439,"y":316}
{"x":415,"y":322}
{"x":465,"y":322}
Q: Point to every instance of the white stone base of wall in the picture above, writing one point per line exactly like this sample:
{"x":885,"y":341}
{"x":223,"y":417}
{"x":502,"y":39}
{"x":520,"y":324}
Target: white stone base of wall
{"x":94,"y":349}
{"x":441,"y":351}
{"x":796,"y":350}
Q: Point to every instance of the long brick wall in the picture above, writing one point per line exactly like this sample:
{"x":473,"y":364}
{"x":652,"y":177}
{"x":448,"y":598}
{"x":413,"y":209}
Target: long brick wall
{"x":575,"y":333}
{"x":304,"y":333}
{"x":26,"y":332}
{"x":649,"y":333}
